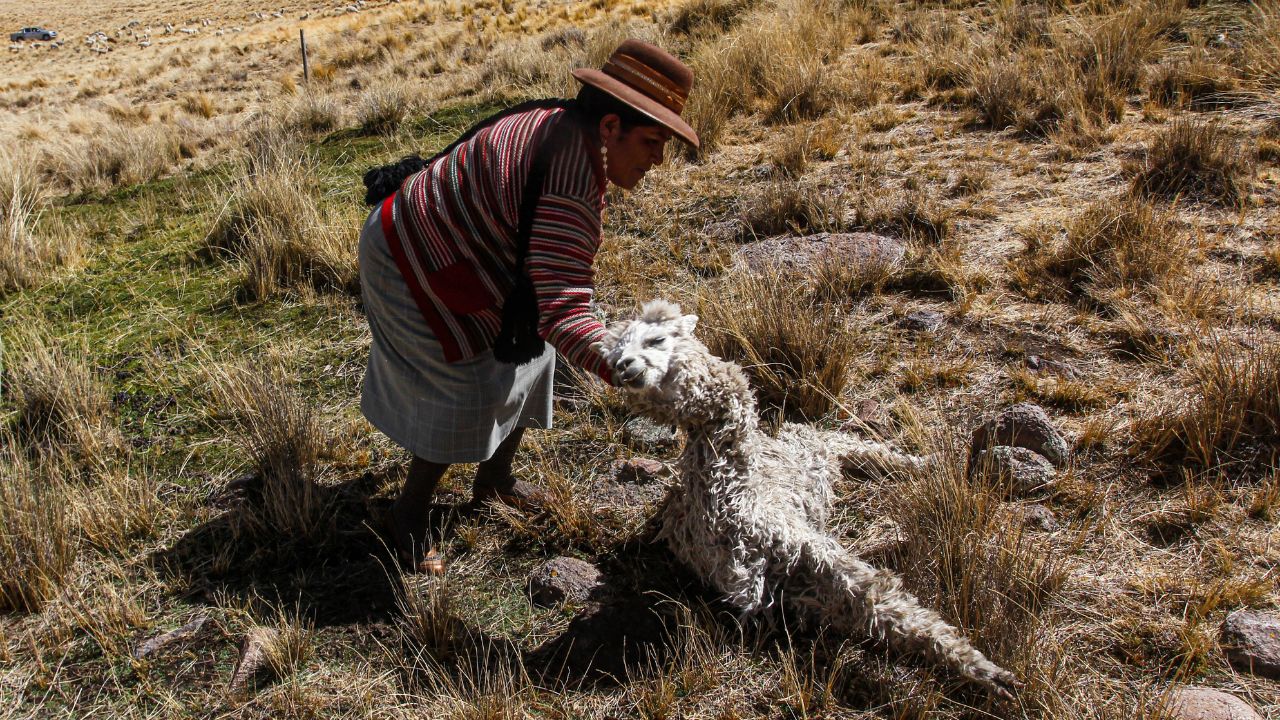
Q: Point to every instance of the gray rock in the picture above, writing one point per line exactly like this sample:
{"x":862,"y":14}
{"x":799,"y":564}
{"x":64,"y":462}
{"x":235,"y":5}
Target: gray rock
{"x":801,"y":255}
{"x":922,"y":320}
{"x":163,"y":640}
{"x":645,"y":434}
{"x":868,"y":416}
{"x":638,"y":470}
{"x":1021,"y":470}
{"x":563,"y":579}
{"x":1024,"y":425}
{"x":1039,"y":517}
{"x":1251,"y":641}
{"x":1201,"y":703}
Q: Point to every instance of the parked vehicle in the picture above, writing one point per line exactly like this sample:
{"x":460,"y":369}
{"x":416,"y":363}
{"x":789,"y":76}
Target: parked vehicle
{"x":33,"y":33}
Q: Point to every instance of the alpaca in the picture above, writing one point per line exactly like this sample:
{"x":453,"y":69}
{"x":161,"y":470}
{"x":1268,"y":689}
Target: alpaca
{"x":752,"y":512}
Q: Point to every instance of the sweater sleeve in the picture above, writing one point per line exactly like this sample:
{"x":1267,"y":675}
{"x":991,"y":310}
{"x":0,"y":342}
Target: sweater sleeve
{"x":562,"y":249}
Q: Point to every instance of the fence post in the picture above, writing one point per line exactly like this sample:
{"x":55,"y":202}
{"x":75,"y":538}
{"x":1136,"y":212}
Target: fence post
{"x":306,"y":69}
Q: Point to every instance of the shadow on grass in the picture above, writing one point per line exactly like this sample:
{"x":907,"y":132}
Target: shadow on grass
{"x":344,"y":576}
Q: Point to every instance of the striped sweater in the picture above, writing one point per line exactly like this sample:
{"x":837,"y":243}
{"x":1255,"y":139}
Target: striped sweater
{"x":456,"y":223}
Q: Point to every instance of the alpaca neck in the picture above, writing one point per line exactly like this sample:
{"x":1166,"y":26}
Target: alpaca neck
{"x":717,"y":451}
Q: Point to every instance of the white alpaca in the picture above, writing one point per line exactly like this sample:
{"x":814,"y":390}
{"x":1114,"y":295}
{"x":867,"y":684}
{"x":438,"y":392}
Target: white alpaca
{"x":752,"y":513}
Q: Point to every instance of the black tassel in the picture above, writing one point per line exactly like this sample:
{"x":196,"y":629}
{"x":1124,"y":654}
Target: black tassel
{"x":518,"y":341}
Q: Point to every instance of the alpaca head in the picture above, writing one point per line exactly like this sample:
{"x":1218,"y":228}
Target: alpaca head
{"x":640,"y":351}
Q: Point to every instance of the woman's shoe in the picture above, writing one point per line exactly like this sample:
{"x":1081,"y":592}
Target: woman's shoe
{"x":419,"y":558}
{"x":521,"y":495}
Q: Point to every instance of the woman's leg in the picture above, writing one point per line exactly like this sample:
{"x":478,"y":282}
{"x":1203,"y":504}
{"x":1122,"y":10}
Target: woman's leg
{"x":494,"y":480}
{"x":410,"y":515}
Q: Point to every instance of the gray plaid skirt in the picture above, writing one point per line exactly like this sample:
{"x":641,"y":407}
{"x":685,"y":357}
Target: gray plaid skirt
{"x":441,"y":412}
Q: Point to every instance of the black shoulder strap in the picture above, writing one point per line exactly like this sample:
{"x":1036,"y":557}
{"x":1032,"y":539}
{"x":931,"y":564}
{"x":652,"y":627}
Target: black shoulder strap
{"x":565,"y":124}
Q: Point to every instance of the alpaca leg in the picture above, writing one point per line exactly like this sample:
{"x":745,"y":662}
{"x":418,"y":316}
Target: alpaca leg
{"x":873,"y":458}
{"x":855,"y":596}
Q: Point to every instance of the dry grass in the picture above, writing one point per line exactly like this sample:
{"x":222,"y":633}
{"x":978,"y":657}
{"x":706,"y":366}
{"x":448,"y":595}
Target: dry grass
{"x":382,"y":110}
{"x":1196,"y":82}
{"x":797,"y":352}
{"x":1197,"y":160}
{"x":38,"y":542}
{"x":273,"y":223}
{"x":285,"y":441}
{"x":28,"y":248}
{"x":116,"y":156}
{"x":1231,"y":414}
{"x":61,"y":406}
{"x":1112,"y":250}
{"x":1259,"y":56}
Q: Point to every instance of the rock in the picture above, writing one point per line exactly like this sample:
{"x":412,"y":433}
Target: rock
{"x":563,"y":579}
{"x":1023,"y":425}
{"x":1023,"y":471}
{"x":1039,"y":517}
{"x":799,"y":256}
{"x":1251,"y":641}
{"x":254,"y":657}
{"x":647,"y":435}
{"x":922,"y":320}
{"x":868,"y":416}
{"x":163,"y":640}
{"x":637,"y":470}
{"x":1200,"y":703}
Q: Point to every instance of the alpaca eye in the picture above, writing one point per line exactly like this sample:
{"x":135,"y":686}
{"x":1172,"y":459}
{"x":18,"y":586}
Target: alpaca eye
{"x":654,"y":341}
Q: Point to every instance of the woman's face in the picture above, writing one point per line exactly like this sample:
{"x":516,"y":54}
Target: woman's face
{"x":633,"y":152}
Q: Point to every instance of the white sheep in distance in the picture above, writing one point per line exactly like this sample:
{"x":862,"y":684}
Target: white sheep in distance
{"x":751,"y":512}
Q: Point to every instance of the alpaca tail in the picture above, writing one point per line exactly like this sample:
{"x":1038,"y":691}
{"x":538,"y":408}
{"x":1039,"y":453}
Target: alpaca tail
{"x":853,"y":596}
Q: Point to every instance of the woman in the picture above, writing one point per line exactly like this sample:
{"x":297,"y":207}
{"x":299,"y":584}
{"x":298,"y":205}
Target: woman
{"x":439,"y":259}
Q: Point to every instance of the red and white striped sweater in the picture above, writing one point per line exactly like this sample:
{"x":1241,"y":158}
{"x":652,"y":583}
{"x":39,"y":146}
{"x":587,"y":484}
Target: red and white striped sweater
{"x":454,"y":238}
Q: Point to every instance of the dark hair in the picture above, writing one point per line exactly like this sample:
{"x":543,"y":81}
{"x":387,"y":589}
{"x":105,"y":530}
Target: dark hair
{"x":594,"y":103}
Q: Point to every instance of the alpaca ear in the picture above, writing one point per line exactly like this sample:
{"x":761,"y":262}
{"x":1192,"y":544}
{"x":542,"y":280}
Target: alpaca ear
{"x":687,"y":323}
{"x":598,"y":347}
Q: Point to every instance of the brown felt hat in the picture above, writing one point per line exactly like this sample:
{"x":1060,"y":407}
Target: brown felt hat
{"x":648,"y":79}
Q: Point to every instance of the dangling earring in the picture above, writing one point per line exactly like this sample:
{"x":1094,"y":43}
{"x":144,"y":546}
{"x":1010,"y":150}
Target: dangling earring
{"x":604,"y":162}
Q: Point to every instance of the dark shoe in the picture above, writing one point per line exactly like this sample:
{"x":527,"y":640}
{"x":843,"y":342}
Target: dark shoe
{"x":421,"y":558}
{"x":523,"y":496}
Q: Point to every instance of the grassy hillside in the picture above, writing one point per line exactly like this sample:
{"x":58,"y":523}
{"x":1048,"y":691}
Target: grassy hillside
{"x":1085,"y":194}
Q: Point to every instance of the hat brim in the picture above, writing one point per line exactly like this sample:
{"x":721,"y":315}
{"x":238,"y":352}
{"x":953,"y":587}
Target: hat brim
{"x":638,"y":100}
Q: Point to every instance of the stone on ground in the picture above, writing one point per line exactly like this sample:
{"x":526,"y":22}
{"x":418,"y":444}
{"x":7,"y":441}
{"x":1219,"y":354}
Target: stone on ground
{"x":1022,"y":471}
{"x":563,"y":579}
{"x":1200,"y":703}
{"x":1024,"y":425}
{"x":1251,"y":641}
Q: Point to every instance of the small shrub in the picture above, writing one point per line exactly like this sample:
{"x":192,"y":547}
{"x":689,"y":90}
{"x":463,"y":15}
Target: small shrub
{"x":797,"y":352}
{"x":199,"y":104}
{"x":1200,"y":160}
{"x":783,"y":206}
{"x":27,"y":255}
{"x":382,"y":110}
{"x":61,"y":406}
{"x":1111,"y":249}
{"x":37,"y":538}
{"x":274,"y":225}
{"x":1232,"y":414}
{"x":285,"y":441}
{"x":1197,"y":83}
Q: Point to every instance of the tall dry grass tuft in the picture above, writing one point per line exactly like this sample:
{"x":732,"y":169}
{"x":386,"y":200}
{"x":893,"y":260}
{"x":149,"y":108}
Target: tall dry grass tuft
{"x":121,"y":507}
{"x":1229,"y":415}
{"x":62,"y":408}
{"x":286,"y":442}
{"x":1198,"y":160}
{"x":428,"y":623}
{"x":966,"y":556}
{"x":1197,"y":82}
{"x":25,"y":254}
{"x":37,"y":536}
{"x":1259,"y":56}
{"x":797,"y":351}
{"x":313,"y":112}
{"x":274,"y":224}
{"x":116,"y":156}
{"x":777,"y":62}
{"x":384,"y":109}
{"x":1113,"y":249}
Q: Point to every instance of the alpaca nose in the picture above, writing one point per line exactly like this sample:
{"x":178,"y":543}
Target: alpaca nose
{"x":627,"y":368}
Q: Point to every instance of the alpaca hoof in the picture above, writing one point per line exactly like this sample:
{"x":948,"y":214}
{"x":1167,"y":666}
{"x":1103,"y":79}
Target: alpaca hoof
{"x":1003,"y":683}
